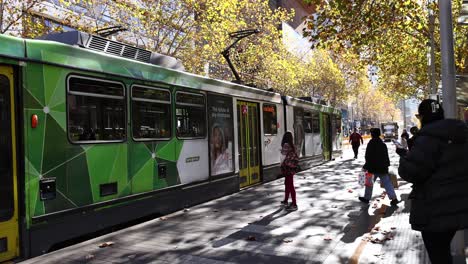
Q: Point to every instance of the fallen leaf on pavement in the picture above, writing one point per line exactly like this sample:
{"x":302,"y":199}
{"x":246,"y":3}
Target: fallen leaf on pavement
{"x":106,"y":244}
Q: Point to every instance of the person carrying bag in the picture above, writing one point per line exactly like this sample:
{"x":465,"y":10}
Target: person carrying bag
{"x":377,"y":163}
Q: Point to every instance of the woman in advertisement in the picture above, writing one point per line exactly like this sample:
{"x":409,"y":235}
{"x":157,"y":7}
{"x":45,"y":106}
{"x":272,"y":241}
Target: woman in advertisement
{"x":221,"y":156}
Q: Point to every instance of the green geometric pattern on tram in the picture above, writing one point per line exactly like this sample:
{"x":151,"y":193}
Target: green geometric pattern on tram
{"x":60,"y":117}
{"x":54,"y":80}
{"x":57,"y":149}
{"x":35,"y":84}
{"x":32,"y":188}
{"x":30,"y":102}
{"x":140,"y":154}
{"x":107,"y":164}
{"x":81,"y":169}
{"x":169,"y":151}
{"x":78,"y":182}
{"x":35,"y":138}
{"x":141,"y":182}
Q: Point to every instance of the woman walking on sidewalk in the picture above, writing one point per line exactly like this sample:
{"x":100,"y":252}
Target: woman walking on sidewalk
{"x":377,"y":163}
{"x":289,"y":167}
{"x":437,"y":167}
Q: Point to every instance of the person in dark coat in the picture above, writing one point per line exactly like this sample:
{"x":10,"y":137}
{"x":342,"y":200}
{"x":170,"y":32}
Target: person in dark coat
{"x":377,"y":163}
{"x":356,"y":140}
{"x":437,"y":167}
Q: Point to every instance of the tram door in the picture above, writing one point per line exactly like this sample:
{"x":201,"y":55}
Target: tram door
{"x":9,"y":236}
{"x":248,"y":138}
{"x":326,"y":136}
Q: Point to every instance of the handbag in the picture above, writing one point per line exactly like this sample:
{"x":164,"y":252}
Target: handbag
{"x":369,"y":179}
{"x":362,"y":178}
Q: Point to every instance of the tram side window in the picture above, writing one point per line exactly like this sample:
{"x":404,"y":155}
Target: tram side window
{"x":190,"y":115}
{"x":270,"y":120}
{"x":308,"y":122}
{"x":338,"y":124}
{"x":96,"y":110}
{"x":315,"y":123}
{"x":151,"y":113}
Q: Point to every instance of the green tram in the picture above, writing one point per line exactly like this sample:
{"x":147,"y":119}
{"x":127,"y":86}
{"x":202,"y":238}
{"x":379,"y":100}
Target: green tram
{"x":94,"y":134}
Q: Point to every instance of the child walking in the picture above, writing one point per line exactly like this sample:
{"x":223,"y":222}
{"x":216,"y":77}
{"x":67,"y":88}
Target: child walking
{"x":289,"y":167}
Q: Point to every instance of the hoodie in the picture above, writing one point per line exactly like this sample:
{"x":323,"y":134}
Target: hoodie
{"x":437,"y":166}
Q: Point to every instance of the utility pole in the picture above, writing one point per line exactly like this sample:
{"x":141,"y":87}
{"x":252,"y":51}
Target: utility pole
{"x":433,"y":84}
{"x":449,"y":97}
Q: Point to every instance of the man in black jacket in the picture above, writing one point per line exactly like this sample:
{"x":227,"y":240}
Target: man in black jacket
{"x":438,"y":168}
{"x":377,"y":163}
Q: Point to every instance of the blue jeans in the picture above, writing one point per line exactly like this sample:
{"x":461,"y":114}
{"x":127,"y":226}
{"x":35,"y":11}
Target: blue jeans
{"x":387,"y":183}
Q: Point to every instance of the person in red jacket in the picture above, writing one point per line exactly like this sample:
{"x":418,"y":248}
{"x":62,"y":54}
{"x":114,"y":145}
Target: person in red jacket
{"x":356,"y":140}
{"x":289,"y":167}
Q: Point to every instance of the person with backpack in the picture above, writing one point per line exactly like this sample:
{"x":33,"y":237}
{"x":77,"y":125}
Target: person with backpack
{"x":377,"y":163}
{"x":289,"y":167}
{"x":356,"y":140}
{"x":436,"y":165}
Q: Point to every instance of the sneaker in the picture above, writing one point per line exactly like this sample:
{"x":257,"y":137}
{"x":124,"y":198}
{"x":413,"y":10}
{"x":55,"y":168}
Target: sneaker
{"x":284,"y":203}
{"x":292,"y":207}
{"x":394,"y":202}
{"x":364,"y":200}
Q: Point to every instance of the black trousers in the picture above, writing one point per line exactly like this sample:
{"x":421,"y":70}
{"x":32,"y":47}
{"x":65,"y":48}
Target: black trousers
{"x":355,"y":149}
{"x":438,"y":246}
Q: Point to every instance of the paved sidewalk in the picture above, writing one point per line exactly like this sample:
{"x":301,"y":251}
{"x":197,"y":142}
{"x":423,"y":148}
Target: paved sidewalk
{"x":331,"y":226}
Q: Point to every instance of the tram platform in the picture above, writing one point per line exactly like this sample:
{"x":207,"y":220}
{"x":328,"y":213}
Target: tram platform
{"x":331,"y":226}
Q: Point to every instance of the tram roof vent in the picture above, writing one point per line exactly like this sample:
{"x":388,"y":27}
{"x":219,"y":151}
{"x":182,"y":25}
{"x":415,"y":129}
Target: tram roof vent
{"x":98,"y":43}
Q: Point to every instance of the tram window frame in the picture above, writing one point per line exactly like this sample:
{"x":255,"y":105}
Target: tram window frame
{"x":269,"y":122}
{"x":185,"y":106}
{"x":134,"y":99}
{"x":315,"y":122}
{"x":338,"y":123}
{"x":308,"y":122}
{"x":120,"y":96}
